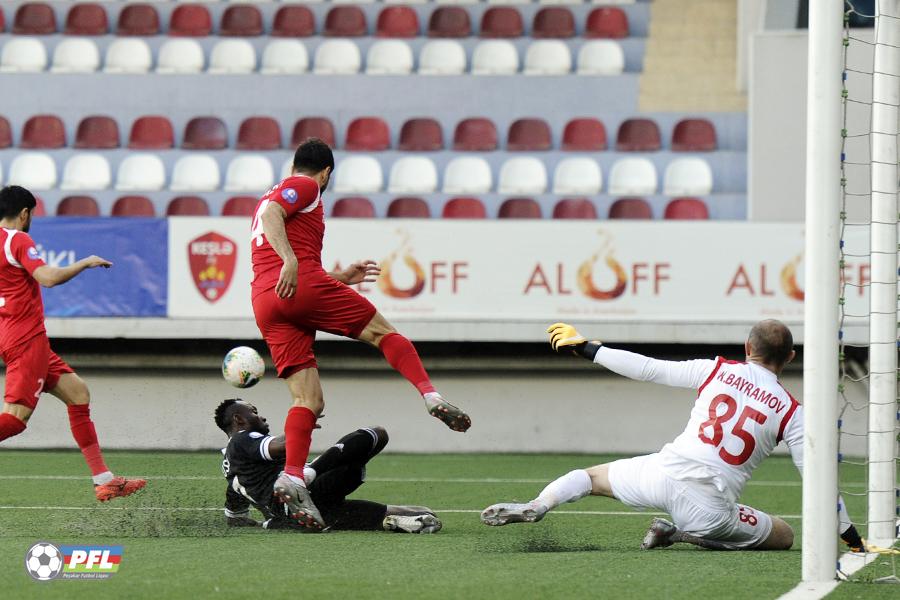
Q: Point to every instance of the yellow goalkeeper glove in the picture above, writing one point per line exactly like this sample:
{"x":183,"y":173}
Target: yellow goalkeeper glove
{"x":565,"y":337}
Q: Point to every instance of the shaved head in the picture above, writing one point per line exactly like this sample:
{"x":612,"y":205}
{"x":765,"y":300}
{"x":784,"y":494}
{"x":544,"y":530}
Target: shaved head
{"x":772,"y":342}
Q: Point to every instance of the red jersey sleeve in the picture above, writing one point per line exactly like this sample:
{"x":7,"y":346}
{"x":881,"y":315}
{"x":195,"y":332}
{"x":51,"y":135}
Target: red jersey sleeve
{"x":24,"y":251}
{"x":296,"y":194}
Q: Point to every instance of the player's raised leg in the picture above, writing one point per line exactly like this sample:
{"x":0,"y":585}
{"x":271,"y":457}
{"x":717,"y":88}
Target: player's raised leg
{"x":13,"y":420}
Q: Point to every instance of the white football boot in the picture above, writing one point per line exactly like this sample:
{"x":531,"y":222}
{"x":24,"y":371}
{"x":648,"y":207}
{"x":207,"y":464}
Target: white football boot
{"x":503,"y":514}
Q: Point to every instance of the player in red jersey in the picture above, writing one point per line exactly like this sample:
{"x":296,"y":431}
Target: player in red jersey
{"x":31,"y":366}
{"x":293,"y":297}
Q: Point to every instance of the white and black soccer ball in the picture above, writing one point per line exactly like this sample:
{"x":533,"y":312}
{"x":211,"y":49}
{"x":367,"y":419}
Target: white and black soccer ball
{"x":43,"y":561}
{"x":243,"y":367}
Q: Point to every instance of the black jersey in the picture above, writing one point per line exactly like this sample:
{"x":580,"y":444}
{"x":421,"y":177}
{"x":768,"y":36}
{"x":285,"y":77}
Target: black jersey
{"x":250,"y":469}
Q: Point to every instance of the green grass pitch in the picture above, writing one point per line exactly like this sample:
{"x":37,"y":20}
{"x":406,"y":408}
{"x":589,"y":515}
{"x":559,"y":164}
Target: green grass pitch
{"x":177,"y":546}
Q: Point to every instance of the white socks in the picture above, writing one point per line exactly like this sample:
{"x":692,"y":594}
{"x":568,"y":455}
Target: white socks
{"x":103,"y":478}
{"x":295,"y":479}
{"x":572,"y":486}
{"x":432,"y":399}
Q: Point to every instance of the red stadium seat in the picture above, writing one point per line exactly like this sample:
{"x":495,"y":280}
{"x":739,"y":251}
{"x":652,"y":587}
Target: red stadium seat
{"x":408,"y":208}
{"x":345,"y":21}
{"x":133,"y":206}
{"x":205,"y":133}
{"x":40,"y":210}
{"x":421,"y":135}
{"x":501,"y":22}
{"x":520,"y":208}
{"x":313,"y":127}
{"x":6,"y":138}
{"x":630,"y":208}
{"x":138,"y":19}
{"x":241,"y":20}
{"x":294,"y":21}
{"x":259,"y":133}
{"x":151,"y":132}
{"x":190,"y":20}
{"x":464,"y":208}
{"x":368,"y":133}
{"x":553,"y":22}
{"x":475,"y":135}
{"x":606,"y":22}
{"x":694,"y":135}
{"x":34,"y":18}
{"x":584,"y":135}
{"x":638,"y":135}
{"x":78,"y":206}
{"x":449,"y":22}
{"x":529,"y":135}
{"x":86,"y":19}
{"x":686,"y":208}
{"x":43,"y":131}
{"x":397,"y":22}
{"x":187,"y":206}
{"x":97,"y":132}
{"x":574,"y":208}
{"x":2,"y":21}
{"x":240,"y":206}
{"x":355,"y":207}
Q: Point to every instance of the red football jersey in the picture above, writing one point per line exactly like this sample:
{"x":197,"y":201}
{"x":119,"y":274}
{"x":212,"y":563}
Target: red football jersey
{"x":21,"y":305}
{"x":304,"y":225}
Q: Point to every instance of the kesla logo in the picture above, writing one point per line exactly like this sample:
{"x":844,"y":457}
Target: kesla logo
{"x":212,"y":258}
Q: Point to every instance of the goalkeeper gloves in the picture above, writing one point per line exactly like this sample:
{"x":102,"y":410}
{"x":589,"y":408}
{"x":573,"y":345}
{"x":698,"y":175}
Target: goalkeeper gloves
{"x":565,"y":337}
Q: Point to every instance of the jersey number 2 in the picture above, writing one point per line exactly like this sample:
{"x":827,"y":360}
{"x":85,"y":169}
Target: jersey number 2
{"x":715,"y":422}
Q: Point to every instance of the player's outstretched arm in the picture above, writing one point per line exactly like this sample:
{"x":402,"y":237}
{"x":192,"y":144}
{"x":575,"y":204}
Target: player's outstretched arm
{"x":49,"y":276}
{"x":273,"y":228}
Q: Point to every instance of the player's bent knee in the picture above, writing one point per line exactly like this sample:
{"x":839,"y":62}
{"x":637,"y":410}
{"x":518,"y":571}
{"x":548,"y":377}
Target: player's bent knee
{"x":780,"y":538}
{"x":382,"y":435}
{"x":600,"y":485}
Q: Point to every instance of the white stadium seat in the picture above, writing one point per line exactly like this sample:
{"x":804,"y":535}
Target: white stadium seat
{"x":522,"y":175}
{"x":456,"y":1}
{"x":468,"y":175}
{"x":128,"y":55}
{"x":1,"y":173}
{"x":249,"y":173}
{"x":389,"y":57}
{"x":560,"y":1}
{"x":195,"y":173}
{"x":577,"y":175}
{"x":23,"y":55}
{"x":358,"y":174}
{"x":75,"y":55}
{"x":180,"y":55}
{"x":632,"y":176}
{"x":232,"y":56}
{"x":86,"y":171}
{"x":141,"y":172}
{"x":337,"y":57}
{"x":413,"y":175}
{"x":287,"y":167}
{"x":442,"y":57}
{"x":688,"y":176}
{"x":509,"y":1}
{"x":601,"y":57}
{"x":33,"y":170}
{"x":495,"y":57}
{"x":548,"y":57}
{"x":284,"y":57}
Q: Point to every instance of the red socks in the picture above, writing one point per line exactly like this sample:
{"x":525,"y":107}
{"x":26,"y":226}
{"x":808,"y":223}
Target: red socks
{"x":298,"y":428}
{"x":402,"y":355}
{"x":10,"y":425}
{"x":86,"y":437}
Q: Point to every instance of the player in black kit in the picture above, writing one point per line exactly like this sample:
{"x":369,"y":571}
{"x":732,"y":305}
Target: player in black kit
{"x":254,"y":459}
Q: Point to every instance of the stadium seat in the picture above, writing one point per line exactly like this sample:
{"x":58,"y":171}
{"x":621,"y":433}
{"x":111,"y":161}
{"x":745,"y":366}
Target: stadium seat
{"x":39,"y":210}
{"x":449,"y":22}
{"x":259,"y":133}
{"x":632,"y":176}
{"x":187,"y":206}
{"x":638,"y":135}
{"x":504,"y":2}
{"x":293,"y":21}
{"x":141,"y":172}
{"x":584,"y":135}
{"x":368,"y":133}
{"x":151,"y":132}
{"x":240,"y":206}
{"x":23,"y":55}
{"x":519,"y":208}
{"x":242,"y":20}
{"x":249,"y":173}
{"x":33,"y":170}
{"x":43,"y":131}
{"x":133,"y":206}
{"x":2,"y":21}
{"x":284,"y":57}
{"x":601,"y":57}
{"x":630,"y":208}
{"x":138,"y":19}
{"x":495,"y":57}
{"x":75,"y":55}
{"x":98,"y":132}
{"x":475,"y":135}
{"x":688,"y":176}
{"x":686,"y":208}
{"x":232,"y":57}
{"x":195,"y":173}
{"x":464,"y":208}
{"x":548,"y":57}
{"x":128,"y":55}
{"x":397,"y":22}
{"x":389,"y":57}
{"x":606,"y":22}
{"x":6,"y":138}
{"x":34,"y":18}
{"x":577,"y":175}
{"x":337,"y":57}
{"x":442,"y":57}
{"x":180,"y":56}
{"x":345,"y":21}
{"x":353,"y":207}
{"x":86,"y":19}
{"x":205,"y":133}
{"x":421,"y":135}
{"x":501,"y":22}
{"x":527,"y":135}
{"x":408,"y":208}
{"x":78,"y":206}
{"x":522,"y":175}
{"x":358,"y":175}
{"x":413,"y":175}
{"x":574,"y":208}
{"x":553,"y":22}
{"x":313,"y":127}
{"x":468,"y":175}
{"x":86,"y":171}
{"x":694,"y":135}
{"x":190,"y":20}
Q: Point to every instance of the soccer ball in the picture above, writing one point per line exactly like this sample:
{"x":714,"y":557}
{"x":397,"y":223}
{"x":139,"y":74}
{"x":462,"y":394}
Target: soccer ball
{"x":43,"y":561}
{"x":243,"y":367}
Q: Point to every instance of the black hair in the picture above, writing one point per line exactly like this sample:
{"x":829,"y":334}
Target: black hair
{"x":772,"y":340}
{"x":225,"y":413}
{"x":313,"y":156}
{"x":13,"y":198}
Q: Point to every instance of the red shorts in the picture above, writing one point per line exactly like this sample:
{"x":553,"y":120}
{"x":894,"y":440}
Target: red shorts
{"x":31,"y":368}
{"x":321,"y":303}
